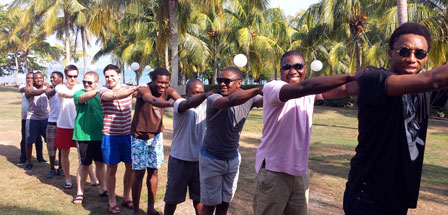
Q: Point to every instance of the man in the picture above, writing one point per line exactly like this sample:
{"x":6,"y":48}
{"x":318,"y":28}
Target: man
{"x":188,"y":134}
{"x":38,"y":145}
{"x":116,"y":103}
{"x":393,"y":107}
{"x":37,"y":115}
{"x":281,"y":185}
{"x":147,"y":135}
{"x":88,"y":134}
{"x":56,"y":78}
{"x":219,"y":160}
{"x":66,"y":119}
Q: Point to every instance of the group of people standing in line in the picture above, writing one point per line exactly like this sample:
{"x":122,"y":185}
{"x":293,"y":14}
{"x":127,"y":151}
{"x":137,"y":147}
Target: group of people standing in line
{"x":385,"y":172}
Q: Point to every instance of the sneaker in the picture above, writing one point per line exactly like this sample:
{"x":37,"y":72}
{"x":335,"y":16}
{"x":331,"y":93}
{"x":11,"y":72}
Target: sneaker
{"x":60,"y":172}
{"x":51,"y":174}
{"x":41,"y":160}
{"x":29,"y":167}
{"x":21,"y":163}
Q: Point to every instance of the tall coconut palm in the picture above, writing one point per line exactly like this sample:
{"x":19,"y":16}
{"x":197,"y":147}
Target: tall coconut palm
{"x":402,"y":11}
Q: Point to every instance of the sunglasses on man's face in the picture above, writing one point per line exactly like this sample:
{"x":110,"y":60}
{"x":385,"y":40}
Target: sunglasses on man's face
{"x":225,"y":80}
{"x":406,"y":52}
{"x":87,"y":82}
{"x":297,"y":66}
{"x":72,"y":76}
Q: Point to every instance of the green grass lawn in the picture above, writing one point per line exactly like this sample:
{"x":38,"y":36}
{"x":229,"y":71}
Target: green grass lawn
{"x":332,"y":146}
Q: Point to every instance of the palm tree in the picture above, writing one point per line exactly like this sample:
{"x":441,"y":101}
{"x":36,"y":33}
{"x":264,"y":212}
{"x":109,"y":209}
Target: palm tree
{"x":402,"y":9}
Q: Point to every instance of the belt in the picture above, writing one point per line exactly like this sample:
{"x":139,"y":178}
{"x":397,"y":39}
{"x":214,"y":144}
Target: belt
{"x":52,"y":123}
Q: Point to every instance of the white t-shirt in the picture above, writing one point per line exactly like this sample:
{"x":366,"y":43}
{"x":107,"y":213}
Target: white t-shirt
{"x":67,"y":111}
{"x":55,"y":105}
{"x":188,"y":131}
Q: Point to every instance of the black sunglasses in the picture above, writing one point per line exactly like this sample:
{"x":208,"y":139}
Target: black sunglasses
{"x":225,"y":80}
{"x":297,"y":66}
{"x":87,"y":82}
{"x":406,"y":52}
{"x":72,"y":76}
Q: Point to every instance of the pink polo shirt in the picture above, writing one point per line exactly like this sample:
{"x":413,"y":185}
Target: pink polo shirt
{"x":286,"y":133}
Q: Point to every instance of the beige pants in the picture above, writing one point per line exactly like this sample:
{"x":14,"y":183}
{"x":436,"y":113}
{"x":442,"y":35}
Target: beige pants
{"x":280,"y":193}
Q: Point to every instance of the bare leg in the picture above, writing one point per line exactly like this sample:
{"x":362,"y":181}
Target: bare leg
{"x":207,"y":210}
{"x":169,"y":209}
{"x":222,"y":208}
{"x":81,"y":178}
{"x":111,"y":170}
{"x":29,"y":150}
{"x":101,"y":175}
{"x":93,"y":179}
{"x":197,"y":207}
{"x":66,"y":164}
{"x":151,"y":183}
{"x":137,"y":189}
{"x":127,"y":181}
{"x":52,"y":161}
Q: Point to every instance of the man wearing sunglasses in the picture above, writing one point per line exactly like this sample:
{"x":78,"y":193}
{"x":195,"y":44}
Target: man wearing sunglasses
{"x":88,"y":135}
{"x":281,"y":184}
{"x":219,"y":160}
{"x":393,"y":107}
{"x":66,"y":119}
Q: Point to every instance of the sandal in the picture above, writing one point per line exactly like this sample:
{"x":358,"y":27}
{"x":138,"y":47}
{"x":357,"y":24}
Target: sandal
{"x":114,"y":209}
{"x":68,"y":185}
{"x":127,"y":204}
{"x":78,"y":199}
{"x":104,"y":194}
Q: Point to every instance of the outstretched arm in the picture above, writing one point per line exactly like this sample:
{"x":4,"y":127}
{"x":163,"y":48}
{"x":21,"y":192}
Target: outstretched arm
{"x":30,"y":91}
{"x":435,"y":79}
{"x":236,"y":98}
{"x":194,"y":101}
{"x":313,"y":86}
{"x":83,"y":98}
{"x":110,"y":96}
{"x":156,"y":101}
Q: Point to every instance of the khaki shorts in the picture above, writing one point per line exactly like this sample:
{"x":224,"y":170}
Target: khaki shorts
{"x":280,"y":193}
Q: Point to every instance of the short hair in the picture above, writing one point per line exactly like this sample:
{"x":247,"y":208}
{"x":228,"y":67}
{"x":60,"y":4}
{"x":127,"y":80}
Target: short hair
{"x":235,"y":71}
{"x":94,"y":74}
{"x":291,"y":53}
{"x":32,"y":73}
{"x":112,"y":67}
{"x":190,"y":83}
{"x":38,"y":72}
{"x":410,"y":28}
{"x":58,"y":74}
{"x":70,"y":68}
{"x":158,"y":72}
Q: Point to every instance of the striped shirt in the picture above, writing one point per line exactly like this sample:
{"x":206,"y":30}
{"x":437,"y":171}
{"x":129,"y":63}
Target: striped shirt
{"x":117,"y":113}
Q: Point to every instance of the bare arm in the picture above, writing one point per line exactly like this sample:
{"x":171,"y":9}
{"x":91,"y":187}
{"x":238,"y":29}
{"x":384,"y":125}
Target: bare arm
{"x":435,"y":79}
{"x":173,"y":93}
{"x":30,"y":91}
{"x":110,"y":96}
{"x":348,"y":89}
{"x":50,"y":92}
{"x":155,"y":101}
{"x":194,"y":101}
{"x":83,"y":98}
{"x":236,"y":98}
{"x":313,"y":86}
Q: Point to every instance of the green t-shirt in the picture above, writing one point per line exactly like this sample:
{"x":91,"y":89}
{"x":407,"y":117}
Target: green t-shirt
{"x":89,"y":119}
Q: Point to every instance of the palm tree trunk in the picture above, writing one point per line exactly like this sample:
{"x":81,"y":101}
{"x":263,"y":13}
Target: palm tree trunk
{"x":357,"y":52}
{"x":215,"y":61}
{"x":67,"y":39}
{"x":402,"y":11}
{"x":167,"y":59}
{"x":84,"y":52}
{"x":17,"y":68}
{"x":246,"y":81}
{"x":25,"y":62}
{"x":172,"y":8}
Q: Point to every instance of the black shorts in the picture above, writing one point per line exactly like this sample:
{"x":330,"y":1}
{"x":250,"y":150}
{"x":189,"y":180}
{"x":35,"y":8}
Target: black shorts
{"x":88,"y":151}
{"x":182,"y":174}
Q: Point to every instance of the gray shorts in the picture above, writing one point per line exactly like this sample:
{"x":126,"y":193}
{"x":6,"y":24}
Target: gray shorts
{"x":51,"y":138}
{"x":219,"y":179}
{"x":182,"y":174}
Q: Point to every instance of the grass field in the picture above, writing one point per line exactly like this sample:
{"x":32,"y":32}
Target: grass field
{"x":332,"y":146}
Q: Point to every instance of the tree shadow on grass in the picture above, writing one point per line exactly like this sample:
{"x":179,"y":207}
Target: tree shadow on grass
{"x":13,"y":210}
{"x":92,"y":201}
{"x":8,"y":89}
